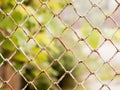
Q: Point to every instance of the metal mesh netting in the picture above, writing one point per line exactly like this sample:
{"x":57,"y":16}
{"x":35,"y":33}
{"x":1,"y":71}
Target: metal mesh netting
{"x":59,"y":44}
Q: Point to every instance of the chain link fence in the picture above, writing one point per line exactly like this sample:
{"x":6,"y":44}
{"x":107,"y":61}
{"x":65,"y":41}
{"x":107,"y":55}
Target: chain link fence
{"x":59,"y":44}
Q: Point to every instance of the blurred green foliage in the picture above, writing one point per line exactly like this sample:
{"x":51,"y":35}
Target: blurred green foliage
{"x":26,"y":26}
{"x":20,"y":37}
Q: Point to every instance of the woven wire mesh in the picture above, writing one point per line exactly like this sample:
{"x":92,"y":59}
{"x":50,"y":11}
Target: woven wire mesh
{"x":59,"y":44}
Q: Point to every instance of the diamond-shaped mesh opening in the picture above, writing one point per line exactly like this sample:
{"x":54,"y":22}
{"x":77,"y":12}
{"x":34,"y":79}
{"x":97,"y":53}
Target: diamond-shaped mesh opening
{"x":65,"y":61}
{"x":69,"y":39}
{"x":59,"y":26}
{"x":32,"y":26}
{"x":81,"y":50}
{"x":19,"y":14}
{"x":53,"y":48}
{"x":95,"y":16}
{"x":7,"y":5}
{"x":44,"y":38}
{"x":81,"y":26}
{"x":6,"y":71}
{"x":17,"y":62}
{"x":82,"y":7}
{"x":28,"y":48}
{"x":108,"y":26}
{"x":115,"y":62}
{"x":32,"y":5}
{"x":85,"y":30}
{"x":94,"y":62}
{"x":116,"y":16}
{"x":30,"y":71}
{"x":77,"y":24}
{"x":57,"y":71}
{"x":106,"y":78}
{"x":8,"y":46}
{"x":67,"y":82}
{"x":19,"y":37}
{"x":24,"y":82}
{"x":94,"y":39}
{"x":15,"y":77}
{"x":114,"y":85}
{"x":42,"y":81}
{"x":5,"y":26}
{"x":42,"y":59}
{"x":103,"y":50}
{"x":112,"y":5}
{"x":92,"y":82}
{"x":43,"y":14}
{"x":80,"y":72}
{"x":69,"y":10}
{"x":116,"y":38}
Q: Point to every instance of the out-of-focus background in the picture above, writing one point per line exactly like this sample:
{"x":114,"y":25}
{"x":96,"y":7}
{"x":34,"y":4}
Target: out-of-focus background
{"x":59,"y":44}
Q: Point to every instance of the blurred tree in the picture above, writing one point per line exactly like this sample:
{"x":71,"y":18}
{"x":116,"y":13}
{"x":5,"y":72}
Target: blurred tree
{"x":20,"y":37}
